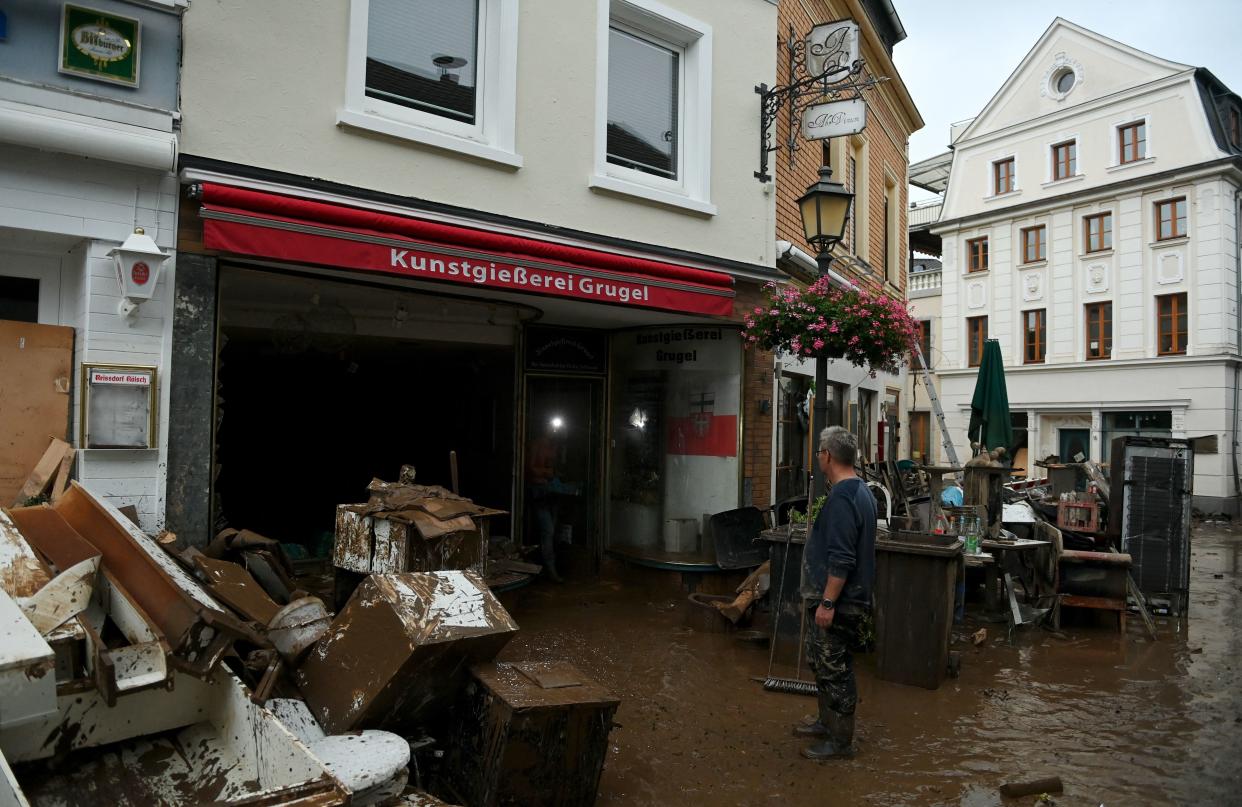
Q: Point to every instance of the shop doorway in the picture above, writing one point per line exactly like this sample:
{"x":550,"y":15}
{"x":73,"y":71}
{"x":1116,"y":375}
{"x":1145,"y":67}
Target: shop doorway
{"x":562,"y":473}
{"x":1074,"y":442}
{"x":323,"y":385}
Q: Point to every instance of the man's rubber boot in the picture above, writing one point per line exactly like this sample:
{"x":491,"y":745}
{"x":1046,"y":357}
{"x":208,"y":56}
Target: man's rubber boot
{"x":839,"y":743}
{"x":820,"y":727}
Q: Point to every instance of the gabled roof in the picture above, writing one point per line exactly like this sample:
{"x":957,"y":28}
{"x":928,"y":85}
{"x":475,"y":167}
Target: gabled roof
{"x":1057,"y":43}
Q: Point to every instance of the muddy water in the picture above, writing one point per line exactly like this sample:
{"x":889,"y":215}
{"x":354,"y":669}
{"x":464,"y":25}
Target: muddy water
{"x":1122,"y":721}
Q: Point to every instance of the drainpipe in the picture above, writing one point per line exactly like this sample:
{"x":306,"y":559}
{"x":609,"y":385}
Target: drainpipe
{"x":1237,"y":290}
{"x":787,"y":251}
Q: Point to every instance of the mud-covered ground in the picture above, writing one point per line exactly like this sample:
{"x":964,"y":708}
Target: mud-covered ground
{"x":1122,"y":720}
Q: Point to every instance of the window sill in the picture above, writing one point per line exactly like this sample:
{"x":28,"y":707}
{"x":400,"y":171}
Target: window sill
{"x":1170,"y":242}
{"x":977,"y":273}
{"x":627,"y":188}
{"x":1052,"y":183}
{"x":1099,"y":253}
{"x":352,"y":119}
{"x":997,"y":196}
{"x":1034,"y":264}
{"x":1134,"y":164}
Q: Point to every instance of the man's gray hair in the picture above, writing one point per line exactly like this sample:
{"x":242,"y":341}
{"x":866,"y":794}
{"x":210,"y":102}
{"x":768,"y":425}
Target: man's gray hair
{"x":840,"y":443}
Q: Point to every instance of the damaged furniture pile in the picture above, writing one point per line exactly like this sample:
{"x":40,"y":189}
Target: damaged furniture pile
{"x":137,"y":670}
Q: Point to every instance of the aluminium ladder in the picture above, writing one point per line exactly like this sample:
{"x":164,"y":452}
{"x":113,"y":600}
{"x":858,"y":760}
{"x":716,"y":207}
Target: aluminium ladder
{"x":949,"y":451}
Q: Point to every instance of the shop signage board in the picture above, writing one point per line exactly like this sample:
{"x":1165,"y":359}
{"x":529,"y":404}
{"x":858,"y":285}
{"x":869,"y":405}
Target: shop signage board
{"x":118,"y":406}
{"x":565,"y":350}
{"x":99,"y":45}
{"x":832,"y":46}
{"x":329,"y":247}
{"x":834,"y":119}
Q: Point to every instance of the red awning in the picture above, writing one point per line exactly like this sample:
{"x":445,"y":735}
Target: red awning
{"x":287,"y":228}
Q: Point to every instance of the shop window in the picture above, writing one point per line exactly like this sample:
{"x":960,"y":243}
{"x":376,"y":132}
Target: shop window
{"x":1099,"y":331}
{"x":1132,"y":142}
{"x":1134,"y":424}
{"x":793,"y":437}
{"x":19,"y":298}
{"x":654,"y":105}
{"x":1034,"y":244}
{"x":1171,"y":328}
{"x":1034,"y":337}
{"x":674,"y":456}
{"x":1098,"y":232}
{"x":441,"y":72}
{"x":1064,"y":160}
{"x":977,"y":254}
{"x":976,"y":335}
{"x":861,"y":424}
{"x":1003,"y":177}
{"x":1171,"y":219}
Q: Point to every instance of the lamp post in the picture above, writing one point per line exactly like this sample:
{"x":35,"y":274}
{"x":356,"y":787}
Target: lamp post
{"x":825,"y":209}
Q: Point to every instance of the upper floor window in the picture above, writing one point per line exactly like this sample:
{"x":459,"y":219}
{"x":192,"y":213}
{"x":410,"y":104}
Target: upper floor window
{"x":1098,"y":232}
{"x":1099,"y":330}
{"x":1235,"y":126}
{"x":1171,"y":324}
{"x":1002,"y":176}
{"x":977,"y":254}
{"x":924,"y":343}
{"x":644,"y":103}
{"x":1132,"y":142}
{"x":1034,"y":337}
{"x":1034,"y":244}
{"x":440,"y":72}
{"x":1065,"y":159}
{"x":976,"y":336}
{"x":653,"y":116}
{"x":1171,"y":218}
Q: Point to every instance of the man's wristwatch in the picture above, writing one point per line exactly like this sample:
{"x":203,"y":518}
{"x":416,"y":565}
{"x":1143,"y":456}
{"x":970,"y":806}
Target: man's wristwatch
{"x":827,"y":604}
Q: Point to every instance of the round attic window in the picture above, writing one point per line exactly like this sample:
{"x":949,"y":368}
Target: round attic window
{"x":1063,"y":81}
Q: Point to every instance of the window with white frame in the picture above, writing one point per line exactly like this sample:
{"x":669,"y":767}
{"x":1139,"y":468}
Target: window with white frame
{"x":653,"y":104}
{"x":440,"y":72}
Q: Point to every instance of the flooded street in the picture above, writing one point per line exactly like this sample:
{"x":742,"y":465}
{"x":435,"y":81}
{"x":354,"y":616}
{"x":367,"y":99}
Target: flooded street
{"x":1122,"y":721}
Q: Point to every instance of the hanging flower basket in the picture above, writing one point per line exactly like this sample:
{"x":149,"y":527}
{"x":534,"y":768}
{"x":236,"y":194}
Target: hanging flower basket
{"x":868,"y":330}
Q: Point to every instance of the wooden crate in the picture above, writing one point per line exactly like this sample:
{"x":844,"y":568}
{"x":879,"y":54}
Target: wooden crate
{"x":522,"y":742}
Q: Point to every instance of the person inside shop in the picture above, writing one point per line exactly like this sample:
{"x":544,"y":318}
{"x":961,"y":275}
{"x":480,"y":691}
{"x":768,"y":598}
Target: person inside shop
{"x":838,"y":573}
{"x":543,"y":458}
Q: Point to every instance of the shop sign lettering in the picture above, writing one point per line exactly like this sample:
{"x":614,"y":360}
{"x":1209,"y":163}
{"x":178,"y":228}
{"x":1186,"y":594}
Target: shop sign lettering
{"x":835,"y":119}
{"x":131,"y":379}
{"x":519,"y":277}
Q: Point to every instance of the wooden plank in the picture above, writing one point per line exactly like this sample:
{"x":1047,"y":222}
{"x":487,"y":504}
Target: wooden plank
{"x":61,"y":483}
{"x":34,"y":398}
{"x":44,"y":471}
{"x":1149,"y":624}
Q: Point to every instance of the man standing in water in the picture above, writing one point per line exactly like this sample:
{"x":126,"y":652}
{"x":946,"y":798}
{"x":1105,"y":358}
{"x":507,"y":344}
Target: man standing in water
{"x":837,"y":574}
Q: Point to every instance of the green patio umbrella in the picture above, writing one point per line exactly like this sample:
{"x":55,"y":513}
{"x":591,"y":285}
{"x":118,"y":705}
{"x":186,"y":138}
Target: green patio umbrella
{"x":989,"y":408}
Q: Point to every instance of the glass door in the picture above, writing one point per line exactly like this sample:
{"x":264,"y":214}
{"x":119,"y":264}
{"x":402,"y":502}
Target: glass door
{"x":561,"y":477}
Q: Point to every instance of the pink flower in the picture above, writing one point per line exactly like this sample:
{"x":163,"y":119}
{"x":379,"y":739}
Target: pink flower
{"x":818,"y":344}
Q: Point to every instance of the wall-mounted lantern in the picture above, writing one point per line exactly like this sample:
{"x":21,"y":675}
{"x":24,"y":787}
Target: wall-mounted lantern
{"x":138,"y":265}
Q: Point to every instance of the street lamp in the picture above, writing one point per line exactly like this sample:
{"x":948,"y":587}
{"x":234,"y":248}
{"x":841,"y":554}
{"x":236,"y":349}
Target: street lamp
{"x":825,"y":209}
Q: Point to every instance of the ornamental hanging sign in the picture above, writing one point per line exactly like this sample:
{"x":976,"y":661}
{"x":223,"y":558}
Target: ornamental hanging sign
{"x":834,"y":119}
{"x":824,"y":96}
{"x":99,"y":46}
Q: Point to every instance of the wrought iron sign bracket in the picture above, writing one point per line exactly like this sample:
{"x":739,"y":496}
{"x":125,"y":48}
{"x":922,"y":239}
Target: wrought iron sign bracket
{"x":837,"y":82}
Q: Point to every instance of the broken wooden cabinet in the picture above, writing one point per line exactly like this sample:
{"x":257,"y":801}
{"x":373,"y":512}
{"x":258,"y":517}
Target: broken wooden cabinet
{"x":397,"y":653}
{"x":532,"y":733}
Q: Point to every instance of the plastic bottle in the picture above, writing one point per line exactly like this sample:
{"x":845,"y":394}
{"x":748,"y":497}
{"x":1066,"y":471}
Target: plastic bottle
{"x":942,"y":524}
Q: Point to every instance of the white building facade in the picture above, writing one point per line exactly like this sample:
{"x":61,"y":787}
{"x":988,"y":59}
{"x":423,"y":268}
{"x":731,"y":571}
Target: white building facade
{"x":88,"y":148}
{"x":1091,"y":226}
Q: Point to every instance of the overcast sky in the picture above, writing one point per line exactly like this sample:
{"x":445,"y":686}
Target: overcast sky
{"x":958,"y":53}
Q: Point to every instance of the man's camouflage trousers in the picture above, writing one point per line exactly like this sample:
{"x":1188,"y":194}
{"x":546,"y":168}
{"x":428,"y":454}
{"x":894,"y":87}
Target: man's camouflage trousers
{"x":831,"y":655}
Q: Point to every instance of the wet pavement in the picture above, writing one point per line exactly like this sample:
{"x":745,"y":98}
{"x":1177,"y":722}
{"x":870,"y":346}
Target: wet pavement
{"x":1122,"y":720}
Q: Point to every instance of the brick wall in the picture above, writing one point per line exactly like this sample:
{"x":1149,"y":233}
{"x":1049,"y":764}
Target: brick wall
{"x":756,"y":387}
{"x":886,"y":137}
